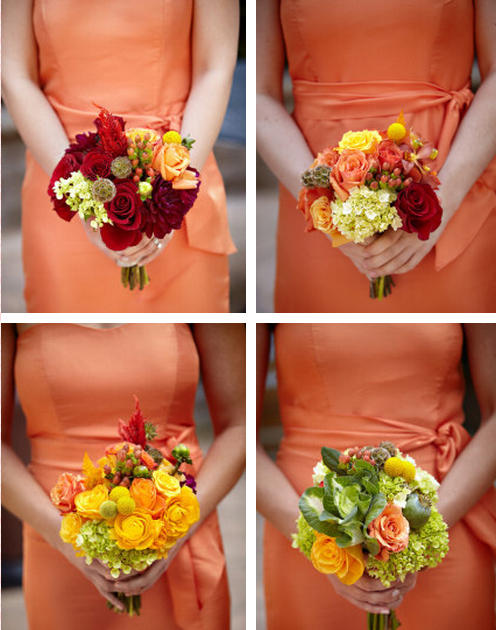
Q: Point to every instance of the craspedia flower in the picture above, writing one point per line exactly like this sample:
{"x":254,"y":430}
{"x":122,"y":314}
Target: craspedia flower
{"x":396,"y":132}
{"x":172,"y":137}
{"x":126,"y":505}
{"x":103,"y":190}
{"x":118,"y":492}
{"x":108,"y":509}
{"x":396,"y":467}
{"x":121,"y":167}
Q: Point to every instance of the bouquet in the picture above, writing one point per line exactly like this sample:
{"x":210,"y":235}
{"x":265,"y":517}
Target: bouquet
{"x":126,"y":184}
{"x":370,"y":182}
{"x":131,"y":508}
{"x":371,"y":509}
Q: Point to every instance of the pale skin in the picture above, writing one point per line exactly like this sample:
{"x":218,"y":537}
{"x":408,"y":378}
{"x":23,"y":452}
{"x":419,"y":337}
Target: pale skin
{"x":214,"y":48}
{"x":221,"y":348}
{"x":462,"y":487}
{"x":286,"y":152}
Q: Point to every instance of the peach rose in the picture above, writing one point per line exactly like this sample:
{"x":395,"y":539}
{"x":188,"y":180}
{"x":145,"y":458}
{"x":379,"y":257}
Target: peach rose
{"x":390,"y":153}
{"x":351,"y":169}
{"x":321,"y":213}
{"x":327,"y":557}
{"x":328,"y":156}
{"x":171,"y":160}
{"x":65,"y":490}
{"x":391,"y":529}
{"x":144,"y":493}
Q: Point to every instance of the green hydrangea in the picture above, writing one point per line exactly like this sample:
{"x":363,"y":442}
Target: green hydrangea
{"x":365,"y":212}
{"x":393,"y":488}
{"x":304,"y":537}
{"x":94,"y":540}
{"x":76,"y":190}
{"x":427,"y":546}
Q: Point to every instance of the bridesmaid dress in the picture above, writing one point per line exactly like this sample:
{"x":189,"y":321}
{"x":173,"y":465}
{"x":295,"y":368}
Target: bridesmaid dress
{"x":346,"y":385}
{"x":137,"y":64}
{"x":354,"y":66}
{"x":74,"y":383}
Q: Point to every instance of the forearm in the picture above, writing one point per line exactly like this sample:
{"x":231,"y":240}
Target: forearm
{"x":221,"y":469}
{"x":26,"y":499}
{"x":277,"y":500}
{"x":471,"y":476}
{"x":205,"y":111}
{"x":281,"y":143}
{"x":36,"y":121}
{"x":473,"y":148}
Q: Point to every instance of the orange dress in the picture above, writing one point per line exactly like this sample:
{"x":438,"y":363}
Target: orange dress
{"x":74,"y":383}
{"x":346,"y":385}
{"x":356,"y":66}
{"x":137,"y":64}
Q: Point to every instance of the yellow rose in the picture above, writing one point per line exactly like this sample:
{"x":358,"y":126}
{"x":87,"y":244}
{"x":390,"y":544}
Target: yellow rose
{"x":88,"y":502}
{"x":181,"y":512}
{"x":365,"y":141}
{"x":167,"y":485}
{"x":135,"y":531}
{"x":327,"y":557}
{"x":137,"y":134}
{"x":70,"y":526}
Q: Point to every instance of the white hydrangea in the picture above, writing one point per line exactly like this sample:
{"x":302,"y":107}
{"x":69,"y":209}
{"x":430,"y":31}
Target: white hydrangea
{"x":365,"y":212}
{"x":76,"y":191}
{"x":319,"y":472}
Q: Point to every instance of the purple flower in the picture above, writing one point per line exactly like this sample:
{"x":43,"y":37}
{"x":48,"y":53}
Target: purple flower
{"x":190,"y":482}
{"x":84,"y":142}
{"x":167,"y":207}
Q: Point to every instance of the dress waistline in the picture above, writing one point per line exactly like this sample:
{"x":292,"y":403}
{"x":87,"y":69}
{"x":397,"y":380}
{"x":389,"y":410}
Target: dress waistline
{"x":449,"y":438}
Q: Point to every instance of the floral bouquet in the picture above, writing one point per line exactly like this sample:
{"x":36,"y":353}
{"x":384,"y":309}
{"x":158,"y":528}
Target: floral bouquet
{"x":130,"y":509}
{"x":370,"y":182}
{"x":371,"y":509}
{"x":126,"y":184}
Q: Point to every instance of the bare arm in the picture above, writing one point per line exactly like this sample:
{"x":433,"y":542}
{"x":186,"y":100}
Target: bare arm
{"x":214,"y":49}
{"x":38,"y":124}
{"x":21,"y":493}
{"x":279,"y":139}
{"x":465,"y":483}
{"x":277,"y":502}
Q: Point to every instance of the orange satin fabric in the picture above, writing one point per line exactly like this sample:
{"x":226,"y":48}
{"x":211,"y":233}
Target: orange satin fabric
{"x":359,"y":72}
{"x":74,"y":383}
{"x":346,"y":385}
{"x":137,"y":64}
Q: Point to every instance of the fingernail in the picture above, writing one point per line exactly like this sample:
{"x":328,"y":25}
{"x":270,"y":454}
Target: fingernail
{"x":373,"y":274}
{"x":396,"y":593}
{"x":385,"y":611}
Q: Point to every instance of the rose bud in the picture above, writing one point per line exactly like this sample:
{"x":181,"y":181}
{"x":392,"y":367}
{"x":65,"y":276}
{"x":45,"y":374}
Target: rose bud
{"x":397,"y":172}
{"x":386,"y":166}
{"x":125,"y":482}
{"x":117,"y":479}
{"x":374,"y":185}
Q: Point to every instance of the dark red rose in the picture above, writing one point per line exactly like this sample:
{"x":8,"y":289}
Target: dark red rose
{"x":96,"y":164}
{"x":125,"y":208}
{"x":419,"y":209}
{"x":166,"y":209}
{"x":63,"y":210}
{"x":68,"y":164}
{"x":118,"y":239}
{"x":390,"y":153}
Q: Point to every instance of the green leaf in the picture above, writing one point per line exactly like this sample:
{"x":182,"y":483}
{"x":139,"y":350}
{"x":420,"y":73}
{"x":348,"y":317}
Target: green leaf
{"x":346,"y":499}
{"x":360,"y":465}
{"x":371,"y":486}
{"x":188,"y":142}
{"x":377,"y":506}
{"x":370,"y":543}
{"x":353,"y":531}
{"x":330,"y":457}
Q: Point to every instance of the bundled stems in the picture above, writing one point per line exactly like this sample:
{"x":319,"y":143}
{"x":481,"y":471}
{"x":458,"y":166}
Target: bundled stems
{"x":388,"y":621}
{"x":381,"y":287}
{"x":134,"y":276}
{"x":132,"y":604}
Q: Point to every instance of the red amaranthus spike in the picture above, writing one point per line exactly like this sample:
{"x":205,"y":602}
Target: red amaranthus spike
{"x":134,"y":430}
{"x":111,"y":132}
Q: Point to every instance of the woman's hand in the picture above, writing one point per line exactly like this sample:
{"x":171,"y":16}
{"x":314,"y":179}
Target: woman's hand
{"x":141,"y":254}
{"x":395,"y":252}
{"x":357,"y":253}
{"x":371,"y":595}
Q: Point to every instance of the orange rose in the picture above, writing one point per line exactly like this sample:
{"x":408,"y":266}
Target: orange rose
{"x":144,"y":493}
{"x":328,"y":157}
{"x":391,"y":529}
{"x":328,"y":557}
{"x":183,"y":510}
{"x":65,"y":490}
{"x":135,"y":531}
{"x":351,"y":169}
{"x":171,"y":160}
{"x":320,"y":210}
